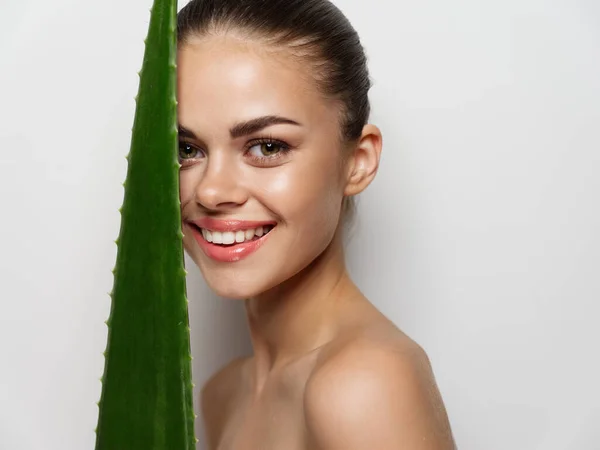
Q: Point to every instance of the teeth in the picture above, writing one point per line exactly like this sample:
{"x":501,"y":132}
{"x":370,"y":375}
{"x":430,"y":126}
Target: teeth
{"x":229,"y":237}
{"x":217,"y":237}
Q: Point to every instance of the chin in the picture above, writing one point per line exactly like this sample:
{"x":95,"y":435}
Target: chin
{"x":237,"y":282}
{"x":250,"y":278}
{"x":235,"y":287}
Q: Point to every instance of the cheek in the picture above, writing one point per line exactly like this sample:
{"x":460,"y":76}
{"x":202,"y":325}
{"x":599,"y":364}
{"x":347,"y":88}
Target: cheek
{"x":306,"y":195}
{"x":187,"y":182}
{"x":189,"y":242}
{"x":186,"y":185}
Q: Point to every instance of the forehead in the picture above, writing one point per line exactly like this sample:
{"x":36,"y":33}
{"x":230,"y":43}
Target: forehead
{"x":224,"y":78}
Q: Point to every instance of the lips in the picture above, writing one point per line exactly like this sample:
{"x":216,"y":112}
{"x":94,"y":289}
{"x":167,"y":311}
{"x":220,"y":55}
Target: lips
{"x":230,"y":240}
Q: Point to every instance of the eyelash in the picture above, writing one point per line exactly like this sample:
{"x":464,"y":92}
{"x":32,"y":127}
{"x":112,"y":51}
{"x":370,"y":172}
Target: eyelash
{"x":284,"y":148}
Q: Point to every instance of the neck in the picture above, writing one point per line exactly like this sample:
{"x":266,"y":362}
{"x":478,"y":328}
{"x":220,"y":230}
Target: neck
{"x":299,"y":316}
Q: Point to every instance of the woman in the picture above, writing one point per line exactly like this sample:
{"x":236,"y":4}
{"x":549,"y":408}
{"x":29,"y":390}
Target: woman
{"x":274,"y":143}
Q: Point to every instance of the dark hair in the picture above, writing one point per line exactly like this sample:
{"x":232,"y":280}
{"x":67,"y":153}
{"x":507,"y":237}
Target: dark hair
{"x":312,"y":29}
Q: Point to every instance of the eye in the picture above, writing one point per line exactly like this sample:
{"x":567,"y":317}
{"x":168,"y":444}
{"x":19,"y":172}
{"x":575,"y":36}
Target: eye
{"x":266,"y":149}
{"x":187,"y":151}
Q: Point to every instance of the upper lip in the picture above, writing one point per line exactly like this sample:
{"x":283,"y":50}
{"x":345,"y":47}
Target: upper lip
{"x":209,"y":223}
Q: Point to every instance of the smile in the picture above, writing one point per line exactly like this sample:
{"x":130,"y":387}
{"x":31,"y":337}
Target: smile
{"x":230,"y":241}
{"x":235,"y":237}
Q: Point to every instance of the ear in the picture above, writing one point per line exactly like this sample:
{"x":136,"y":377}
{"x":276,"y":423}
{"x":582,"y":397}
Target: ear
{"x":363,"y":162}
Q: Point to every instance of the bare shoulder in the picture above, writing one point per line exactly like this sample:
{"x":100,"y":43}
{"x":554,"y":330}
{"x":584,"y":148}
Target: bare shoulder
{"x":216,"y":398}
{"x":376,"y":390}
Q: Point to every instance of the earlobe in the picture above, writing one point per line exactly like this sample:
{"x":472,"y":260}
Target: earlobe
{"x":364,"y":161}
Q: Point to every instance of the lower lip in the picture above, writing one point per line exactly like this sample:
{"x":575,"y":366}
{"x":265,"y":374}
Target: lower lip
{"x":230,"y":253}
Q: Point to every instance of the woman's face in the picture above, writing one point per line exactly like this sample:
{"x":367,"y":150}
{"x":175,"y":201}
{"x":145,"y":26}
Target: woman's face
{"x":258,"y":143}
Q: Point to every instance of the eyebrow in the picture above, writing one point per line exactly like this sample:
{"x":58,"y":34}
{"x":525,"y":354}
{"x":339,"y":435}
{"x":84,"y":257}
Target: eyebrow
{"x":185,"y":133}
{"x":254,"y":125}
{"x":245,"y":128}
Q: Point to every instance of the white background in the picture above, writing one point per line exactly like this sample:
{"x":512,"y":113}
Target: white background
{"x":480,"y":237}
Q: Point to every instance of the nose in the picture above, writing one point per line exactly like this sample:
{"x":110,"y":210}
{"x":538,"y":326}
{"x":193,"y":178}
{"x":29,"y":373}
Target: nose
{"x":220,"y":186}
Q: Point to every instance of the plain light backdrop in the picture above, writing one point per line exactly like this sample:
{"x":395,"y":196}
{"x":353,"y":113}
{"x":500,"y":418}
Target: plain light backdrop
{"x":480,"y":237}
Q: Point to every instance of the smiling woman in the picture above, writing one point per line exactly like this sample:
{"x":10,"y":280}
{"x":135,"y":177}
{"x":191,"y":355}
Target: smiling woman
{"x":274,"y":143}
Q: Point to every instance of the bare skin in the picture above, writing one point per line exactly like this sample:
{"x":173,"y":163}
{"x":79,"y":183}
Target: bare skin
{"x":328,"y":370}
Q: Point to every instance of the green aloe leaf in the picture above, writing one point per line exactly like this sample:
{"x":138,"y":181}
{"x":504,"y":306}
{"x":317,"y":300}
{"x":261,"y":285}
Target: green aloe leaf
{"x":146,"y":400}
